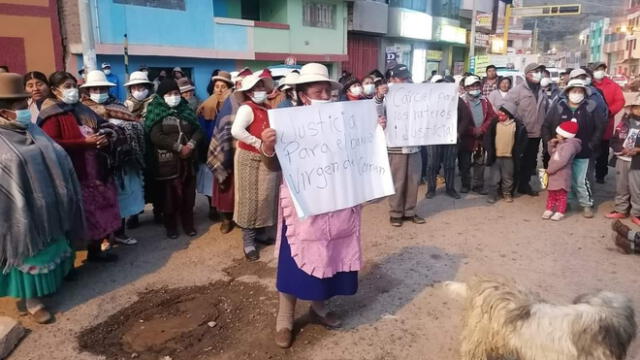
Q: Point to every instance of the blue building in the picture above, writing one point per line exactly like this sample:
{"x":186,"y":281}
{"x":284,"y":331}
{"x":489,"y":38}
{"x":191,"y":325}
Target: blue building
{"x":203,"y":35}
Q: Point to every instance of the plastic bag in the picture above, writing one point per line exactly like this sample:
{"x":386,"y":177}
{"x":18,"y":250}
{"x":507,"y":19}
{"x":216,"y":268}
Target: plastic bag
{"x":544,"y":178}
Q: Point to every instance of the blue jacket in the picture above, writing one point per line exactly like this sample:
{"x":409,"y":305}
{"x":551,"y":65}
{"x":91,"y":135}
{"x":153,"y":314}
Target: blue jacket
{"x":593,"y":94}
{"x":114,"y":91}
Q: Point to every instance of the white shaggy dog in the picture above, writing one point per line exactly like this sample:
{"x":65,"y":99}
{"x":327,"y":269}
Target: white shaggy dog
{"x":504,"y":321}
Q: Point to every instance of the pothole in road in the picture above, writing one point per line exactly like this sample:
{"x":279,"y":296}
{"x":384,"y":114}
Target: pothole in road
{"x":223,"y":320}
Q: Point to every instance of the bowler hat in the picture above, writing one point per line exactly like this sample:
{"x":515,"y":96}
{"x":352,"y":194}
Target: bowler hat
{"x":12,"y":87}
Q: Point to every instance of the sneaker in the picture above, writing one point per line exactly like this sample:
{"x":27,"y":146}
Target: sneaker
{"x":615,"y":215}
{"x":125,"y":240}
{"x":635,"y":220}
{"x":395,"y":222}
{"x":415,"y":219}
{"x":42,"y":316}
{"x":190,"y":232}
{"x":492,"y":199}
{"x":453,"y":194}
{"x":557,"y":216}
{"x":588,"y":213}
{"x":547,"y":214}
{"x":508,"y":198}
{"x":172,"y":234}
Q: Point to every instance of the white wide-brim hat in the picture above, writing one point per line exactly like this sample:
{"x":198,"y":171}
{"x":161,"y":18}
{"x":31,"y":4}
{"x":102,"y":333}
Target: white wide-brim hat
{"x":314,"y":72}
{"x":97,"y":78}
{"x":138,"y":78}
{"x":289,"y":81}
{"x":251,"y":80}
{"x":575,"y":83}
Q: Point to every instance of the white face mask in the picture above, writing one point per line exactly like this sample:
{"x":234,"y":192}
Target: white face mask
{"x":598,"y":74}
{"x":259,"y":97}
{"x":140,"y":94}
{"x":316,"y":102}
{"x":536,"y":77}
{"x":356,"y":91}
{"x":369,"y":89}
{"x":576,"y":98}
{"x":173,"y":100}
{"x":99,"y":98}
{"x":107,"y":71}
{"x":70,"y":96}
{"x":545,"y":82}
{"x":587,"y":81}
{"x":474,"y":93}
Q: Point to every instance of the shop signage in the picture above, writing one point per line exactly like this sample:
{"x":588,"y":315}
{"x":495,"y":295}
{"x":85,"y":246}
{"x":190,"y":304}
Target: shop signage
{"x":452,"y":34}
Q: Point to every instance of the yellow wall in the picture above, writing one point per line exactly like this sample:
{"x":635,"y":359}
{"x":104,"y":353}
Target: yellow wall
{"x":38,"y":40}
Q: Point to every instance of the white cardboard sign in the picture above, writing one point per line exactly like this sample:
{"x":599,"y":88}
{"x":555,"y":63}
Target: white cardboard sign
{"x":333,"y":156}
{"x":422,"y":114}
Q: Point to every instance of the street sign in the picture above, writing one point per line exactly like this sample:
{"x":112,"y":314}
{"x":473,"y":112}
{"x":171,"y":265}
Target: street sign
{"x":547,"y":10}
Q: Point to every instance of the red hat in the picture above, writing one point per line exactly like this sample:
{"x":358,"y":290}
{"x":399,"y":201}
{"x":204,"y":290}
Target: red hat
{"x":266,"y":73}
{"x":568,"y":129}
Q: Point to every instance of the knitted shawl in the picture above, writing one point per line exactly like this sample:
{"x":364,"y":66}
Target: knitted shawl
{"x":40,"y":196}
{"x":158,"y":110}
{"x":222,"y":146}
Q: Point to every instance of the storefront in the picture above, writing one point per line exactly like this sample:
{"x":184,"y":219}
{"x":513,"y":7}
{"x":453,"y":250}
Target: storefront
{"x":406,"y":41}
{"x":452,"y":40}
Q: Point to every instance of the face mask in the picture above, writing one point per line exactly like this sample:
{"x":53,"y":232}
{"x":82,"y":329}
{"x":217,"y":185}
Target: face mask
{"x":316,"y":102}
{"x":545,"y":82}
{"x":107,"y":72}
{"x":474,"y":93}
{"x":172,"y":101}
{"x":369,"y":89}
{"x":259,"y":97}
{"x":598,"y":75}
{"x":70,"y":96}
{"x":587,"y":81}
{"x":99,"y":98}
{"x":576,"y":98}
{"x":356,"y":91}
{"x":502,"y":117}
{"x":23,"y":117}
{"x":536,"y":77}
{"x":140,"y":95}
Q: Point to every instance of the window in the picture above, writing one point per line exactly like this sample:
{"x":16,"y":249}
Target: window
{"x":419,"y":5}
{"x":250,"y":10}
{"x":164,"y":4}
{"x":447,"y":8}
{"x":316,"y":14}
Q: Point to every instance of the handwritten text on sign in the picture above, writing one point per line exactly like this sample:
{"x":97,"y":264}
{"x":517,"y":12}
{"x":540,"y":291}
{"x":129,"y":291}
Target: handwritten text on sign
{"x":422,"y":114}
{"x":333,"y":156}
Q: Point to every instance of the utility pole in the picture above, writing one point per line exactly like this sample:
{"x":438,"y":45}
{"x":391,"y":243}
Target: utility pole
{"x":535,"y":36}
{"x":505,"y":28}
{"x":474,"y":15}
{"x":86,"y":34}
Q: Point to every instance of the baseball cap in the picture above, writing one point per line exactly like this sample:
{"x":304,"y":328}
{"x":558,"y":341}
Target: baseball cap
{"x":400,"y":71}
{"x":533,"y":66}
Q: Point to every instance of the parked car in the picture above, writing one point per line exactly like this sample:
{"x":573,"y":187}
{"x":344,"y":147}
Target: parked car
{"x":620,"y":80}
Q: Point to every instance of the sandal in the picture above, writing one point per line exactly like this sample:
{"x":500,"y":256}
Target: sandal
{"x":284,"y":338}
{"x":42,"y":316}
{"x":330,"y":320}
{"x":126,"y":240}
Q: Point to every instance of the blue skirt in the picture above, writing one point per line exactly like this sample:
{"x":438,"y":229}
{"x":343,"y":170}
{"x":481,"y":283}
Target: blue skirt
{"x":130,"y":185}
{"x":291,"y":280}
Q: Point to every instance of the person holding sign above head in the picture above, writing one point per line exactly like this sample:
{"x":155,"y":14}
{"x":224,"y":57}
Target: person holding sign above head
{"x":472,"y":152}
{"x":255,"y":185}
{"x":320,"y":255}
{"x":406,"y":163}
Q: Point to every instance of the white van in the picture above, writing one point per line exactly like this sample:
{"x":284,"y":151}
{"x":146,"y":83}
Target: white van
{"x":517,"y":77}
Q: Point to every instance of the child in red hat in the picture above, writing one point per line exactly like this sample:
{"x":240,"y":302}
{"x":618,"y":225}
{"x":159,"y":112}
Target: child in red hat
{"x":563,"y":148}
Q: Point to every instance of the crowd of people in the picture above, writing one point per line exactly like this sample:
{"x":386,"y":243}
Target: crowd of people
{"x":162,"y":146}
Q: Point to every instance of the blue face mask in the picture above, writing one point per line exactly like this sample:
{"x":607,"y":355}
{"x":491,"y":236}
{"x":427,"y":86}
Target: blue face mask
{"x":23,"y":117}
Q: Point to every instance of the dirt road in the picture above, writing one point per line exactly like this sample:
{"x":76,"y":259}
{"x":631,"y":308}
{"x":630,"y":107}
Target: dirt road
{"x":398,"y":313}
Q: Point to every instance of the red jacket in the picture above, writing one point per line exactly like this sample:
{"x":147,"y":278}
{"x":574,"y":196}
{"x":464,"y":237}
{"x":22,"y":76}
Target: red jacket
{"x":472,"y":136}
{"x":615,"y":101}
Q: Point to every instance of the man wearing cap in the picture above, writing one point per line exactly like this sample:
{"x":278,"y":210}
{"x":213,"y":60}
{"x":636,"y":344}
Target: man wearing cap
{"x":615,"y":102}
{"x":490,"y":82}
{"x":531,"y":106}
{"x":471,"y":151}
{"x":575,"y":105}
{"x":405,"y":162}
{"x":112,"y":78}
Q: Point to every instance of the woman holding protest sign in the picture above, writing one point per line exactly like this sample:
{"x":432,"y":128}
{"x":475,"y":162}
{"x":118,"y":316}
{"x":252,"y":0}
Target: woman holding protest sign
{"x":319,"y":256}
{"x":256,"y":187}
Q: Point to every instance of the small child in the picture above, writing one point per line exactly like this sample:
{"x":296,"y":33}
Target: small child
{"x":562,"y":150}
{"x":505,"y":141}
{"x":626,"y":145}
